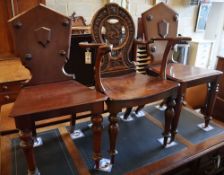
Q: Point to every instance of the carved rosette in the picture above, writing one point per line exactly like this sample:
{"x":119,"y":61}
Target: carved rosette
{"x":113,"y":25}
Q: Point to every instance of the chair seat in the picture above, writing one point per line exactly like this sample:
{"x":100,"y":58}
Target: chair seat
{"x":186,"y":73}
{"x":54,"y":97}
{"x":135,"y":86}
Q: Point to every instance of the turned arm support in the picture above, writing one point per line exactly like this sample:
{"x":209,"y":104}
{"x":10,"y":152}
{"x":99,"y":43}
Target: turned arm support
{"x":171,"y":42}
{"x":101,"y":50}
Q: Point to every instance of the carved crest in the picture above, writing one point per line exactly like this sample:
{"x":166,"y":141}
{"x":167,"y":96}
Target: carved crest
{"x":163,"y":28}
{"x":43,"y":35}
{"x":113,"y":25}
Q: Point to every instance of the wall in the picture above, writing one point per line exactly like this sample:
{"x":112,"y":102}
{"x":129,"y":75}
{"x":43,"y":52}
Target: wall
{"x":87,"y":8}
{"x":187,"y":16}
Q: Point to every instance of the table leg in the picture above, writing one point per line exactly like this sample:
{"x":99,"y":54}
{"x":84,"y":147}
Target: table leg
{"x":97,"y":129}
{"x":178,"y":107}
{"x":212,"y":91}
{"x":27,"y":146}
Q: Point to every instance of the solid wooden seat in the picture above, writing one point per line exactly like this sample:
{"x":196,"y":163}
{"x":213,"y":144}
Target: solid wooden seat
{"x":135,"y":86}
{"x":186,"y":73}
{"x":160,"y":24}
{"x":113,"y":31}
{"x":42,"y":41}
{"x":46,"y":99}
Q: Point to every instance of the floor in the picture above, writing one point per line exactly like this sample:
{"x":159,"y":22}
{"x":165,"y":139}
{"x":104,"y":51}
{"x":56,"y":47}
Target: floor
{"x":170,"y":162}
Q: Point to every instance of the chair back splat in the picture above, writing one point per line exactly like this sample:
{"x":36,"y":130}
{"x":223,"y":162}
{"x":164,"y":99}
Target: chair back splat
{"x":159,"y":21}
{"x":114,"y":26}
{"x":43,"y":45}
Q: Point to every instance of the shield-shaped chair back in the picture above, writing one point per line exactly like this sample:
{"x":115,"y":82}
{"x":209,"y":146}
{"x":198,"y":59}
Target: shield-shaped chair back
{"x":159,"y":21}
{"x":42,"y":40}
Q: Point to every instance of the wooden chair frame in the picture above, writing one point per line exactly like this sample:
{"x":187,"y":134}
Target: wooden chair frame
{"x":107,"y":78}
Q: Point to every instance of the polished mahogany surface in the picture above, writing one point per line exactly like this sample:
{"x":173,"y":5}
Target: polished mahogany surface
{"x":13,"y":76}
{"x":69,"y":95}
{"x":186,"y":73}
{"x":133,"y":86}
{"x":12,"y":70}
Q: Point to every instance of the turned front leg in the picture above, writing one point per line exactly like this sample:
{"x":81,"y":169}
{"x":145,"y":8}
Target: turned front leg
{"x":169,"y":115}
{"x":97,"y":129}
{"x":113,"y":131}
{"x":72,"y":123}
{"x":178,"y":108}
{"x":27,"y":145}
{"x":139,"y":108}
{"x":212,"y":91}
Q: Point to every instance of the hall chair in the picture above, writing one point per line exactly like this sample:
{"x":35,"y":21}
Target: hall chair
{"x":113,"y":31}
{"x":160,"y":23}
{"x":42,"y":41}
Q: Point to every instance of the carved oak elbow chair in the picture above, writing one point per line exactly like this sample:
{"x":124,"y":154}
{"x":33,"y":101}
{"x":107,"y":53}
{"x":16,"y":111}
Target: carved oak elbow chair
{"x":160,"y":23}
{"x":42,"y":40}
{"x":115,"y":74}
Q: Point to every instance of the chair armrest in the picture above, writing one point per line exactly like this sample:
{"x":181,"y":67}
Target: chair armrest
{"x":174,"y":40}
{"x":101,"y":50}
{"x":170,"y":44}
{"x":151,"y":72}
{"x":90,"y":45}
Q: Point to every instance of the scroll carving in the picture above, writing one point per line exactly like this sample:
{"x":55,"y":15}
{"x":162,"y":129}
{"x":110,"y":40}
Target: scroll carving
{"x":113,"y":25}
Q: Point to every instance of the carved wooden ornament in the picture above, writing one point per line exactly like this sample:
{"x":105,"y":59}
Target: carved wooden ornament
{"x":113,"y":25}
{"x":163,"y":28}
{"x":43,"y":35}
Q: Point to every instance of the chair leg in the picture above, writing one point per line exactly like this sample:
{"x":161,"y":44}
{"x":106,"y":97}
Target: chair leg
{"x":139,"y":108}
{"x":212,"y":91}
{"x":127,"y":113}
{"x":97,"y":137}
{"x":169,"y":115}
{"x":26,"y":144}
{"x":113,"y":131}
{"x":34,"y":131}
{"x":163,"y":103}
{"x":178,"y":107}
{"x":72,"y":123}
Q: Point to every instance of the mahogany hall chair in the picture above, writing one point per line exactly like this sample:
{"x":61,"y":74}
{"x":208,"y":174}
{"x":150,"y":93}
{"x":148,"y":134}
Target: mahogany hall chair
{"x":160,"y":24}
{"x":42,"y":41}
{"x":115,"y":74}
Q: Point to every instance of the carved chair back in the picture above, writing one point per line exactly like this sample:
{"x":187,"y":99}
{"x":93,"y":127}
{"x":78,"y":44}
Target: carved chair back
{"x":114,"y":26}
{"x":159,"y":22}
{"x":42,"y":41}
